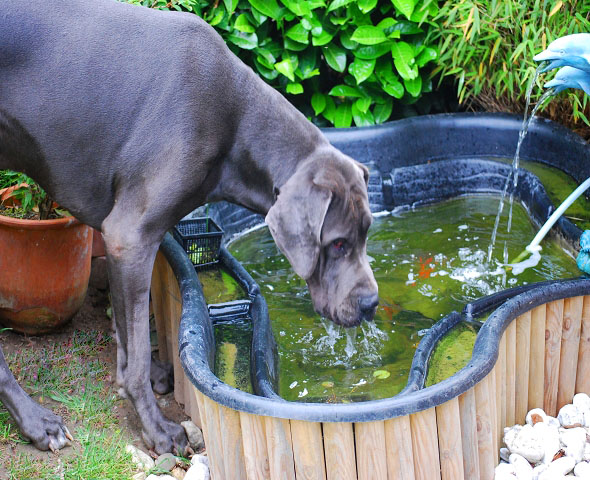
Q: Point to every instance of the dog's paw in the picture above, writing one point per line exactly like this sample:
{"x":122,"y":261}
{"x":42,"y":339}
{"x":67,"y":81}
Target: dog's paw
{"x":161,"y":377}
{"x":167,"y":437}
{"x":45,"y":429}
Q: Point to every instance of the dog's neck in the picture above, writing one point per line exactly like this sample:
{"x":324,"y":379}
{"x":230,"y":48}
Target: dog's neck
{"x":267,"y":150}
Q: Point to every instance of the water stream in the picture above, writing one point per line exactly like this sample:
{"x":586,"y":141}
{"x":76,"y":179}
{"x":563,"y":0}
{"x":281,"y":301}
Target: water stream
{"x":527,"y":120}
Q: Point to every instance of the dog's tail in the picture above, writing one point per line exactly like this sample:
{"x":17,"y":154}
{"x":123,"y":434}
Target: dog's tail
{"x":17,"y":147}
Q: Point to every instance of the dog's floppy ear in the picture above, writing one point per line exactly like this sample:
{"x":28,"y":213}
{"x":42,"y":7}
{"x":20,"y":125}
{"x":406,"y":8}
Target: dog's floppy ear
{"x":295,"y":221}
{"x":364,"y":171}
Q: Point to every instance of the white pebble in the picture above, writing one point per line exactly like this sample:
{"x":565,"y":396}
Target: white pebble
{"x":526,"y":442}
{"x":574,"y":440}
{"x":504,"y":454}
{"x":550,"y":438}
{"x":587,"y":452}
{"x":569,"y":416}
{"x":582,"y":470}
{"x":538,"y":470}
{"x":553,"y":422}
{"x":536,"y":414}
{"x":140,"y":458}
{"x":198,"y":471}
{"x":204,"y":459}
{"x":562,"y":466}
{"x":582,"y":401}
{"x":505,"y":471}
{"x":523,"y":469}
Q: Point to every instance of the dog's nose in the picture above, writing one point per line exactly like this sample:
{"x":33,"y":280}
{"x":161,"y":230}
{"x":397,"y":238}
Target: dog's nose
{"x":368,"y":303}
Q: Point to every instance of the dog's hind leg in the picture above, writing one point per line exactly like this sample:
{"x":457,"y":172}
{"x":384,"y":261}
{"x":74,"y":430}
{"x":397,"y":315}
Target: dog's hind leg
{"x":45,"y":429}
{"x":131,"y":250}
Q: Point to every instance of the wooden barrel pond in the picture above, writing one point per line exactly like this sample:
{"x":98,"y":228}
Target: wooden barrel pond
{"x":532,"y":351}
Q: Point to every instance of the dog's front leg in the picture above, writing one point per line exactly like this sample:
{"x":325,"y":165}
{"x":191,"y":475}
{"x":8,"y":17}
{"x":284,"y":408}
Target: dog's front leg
{"x":130,"y":257}
{"x":45,"y":429}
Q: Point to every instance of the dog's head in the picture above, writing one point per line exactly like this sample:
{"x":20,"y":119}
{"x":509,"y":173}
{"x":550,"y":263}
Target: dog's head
{"x":320,"y":222}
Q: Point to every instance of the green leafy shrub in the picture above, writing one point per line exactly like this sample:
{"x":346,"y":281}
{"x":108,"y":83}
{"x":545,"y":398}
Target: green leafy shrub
{"x":339,"y":61}
{"x":22,"y":197}
{"x":488,"y":46}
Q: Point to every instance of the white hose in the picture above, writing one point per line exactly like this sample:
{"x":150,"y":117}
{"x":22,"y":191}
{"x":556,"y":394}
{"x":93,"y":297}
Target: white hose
{"x":558,"y":213}
{"x":534,"y":248}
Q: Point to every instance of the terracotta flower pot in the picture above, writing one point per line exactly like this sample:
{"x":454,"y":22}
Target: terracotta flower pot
{"x":44,"y":271}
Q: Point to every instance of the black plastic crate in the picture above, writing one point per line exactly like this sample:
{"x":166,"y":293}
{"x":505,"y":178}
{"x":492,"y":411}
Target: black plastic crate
{"x":201,"y":240}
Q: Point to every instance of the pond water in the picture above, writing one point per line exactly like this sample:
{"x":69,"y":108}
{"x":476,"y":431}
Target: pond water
{"x":427,"y":262}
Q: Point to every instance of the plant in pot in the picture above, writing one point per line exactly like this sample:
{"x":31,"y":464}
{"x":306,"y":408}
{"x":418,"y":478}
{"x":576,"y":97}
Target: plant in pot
{"x":45,"y":256}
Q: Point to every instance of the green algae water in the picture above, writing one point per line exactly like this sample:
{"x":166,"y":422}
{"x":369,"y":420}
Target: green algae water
{"x":559,"y":185}
{"x":220,"y":287}
{"x":232,"y":353}
{"x":427,"y":262}
{"x":451,"y":354}
{"x":232,"y":339}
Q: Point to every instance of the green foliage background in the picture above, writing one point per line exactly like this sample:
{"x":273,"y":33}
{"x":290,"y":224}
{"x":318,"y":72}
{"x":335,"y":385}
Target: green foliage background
{"x":488,"y":46}
{"x":341,"y":62}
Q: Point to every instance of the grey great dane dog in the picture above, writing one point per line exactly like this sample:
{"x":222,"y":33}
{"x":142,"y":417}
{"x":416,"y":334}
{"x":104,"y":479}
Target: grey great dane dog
{"x":130,"y":118}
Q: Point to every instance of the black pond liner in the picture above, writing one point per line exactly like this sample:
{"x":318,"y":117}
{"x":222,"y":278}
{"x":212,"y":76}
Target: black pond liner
{"x":412,"y":162}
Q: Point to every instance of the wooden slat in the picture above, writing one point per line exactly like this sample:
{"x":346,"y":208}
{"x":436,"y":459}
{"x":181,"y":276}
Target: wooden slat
{"x":186,"y":387}
{"x":511,"y":373}
{"x":308,"y":450}
{"x":553,"y":329}
{"x":449,"y":441}
{"x":170,"y":288}
{"x":200,"y":398}
{"x":570,"y":345}
{"x":425,"y":445}
{"x":255,"y":447}
{"x":195,"y":416}
{"x":494,"y":414}
{"x":583,"y":370}
{"x":400,"y":458}
{"x":214,"y":442}
{"x":231,"y":442}
{"x":498,"y":377}
{"x":501,"y":363}
{"x":174,"y":321}
{"x":523,"y":353}
{"x":339,"y":451}
{"x":469,"y":437}
{"x":485,"y":442}
{"x":158,"y":306}
{"x":371,"y":455}
{"x":537,"y":358}
{"x":280,"y":449}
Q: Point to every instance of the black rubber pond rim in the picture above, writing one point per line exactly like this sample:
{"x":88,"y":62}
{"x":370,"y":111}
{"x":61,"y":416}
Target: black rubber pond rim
{"x":196,"y":338}
{"x":264,"y":348}
{"x":428,"y":138}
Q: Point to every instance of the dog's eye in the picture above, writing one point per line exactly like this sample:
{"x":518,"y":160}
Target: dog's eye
{"x":339,"y":246}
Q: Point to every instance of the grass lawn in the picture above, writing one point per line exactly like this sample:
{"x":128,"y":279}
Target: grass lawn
{"x":72,"y":373}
